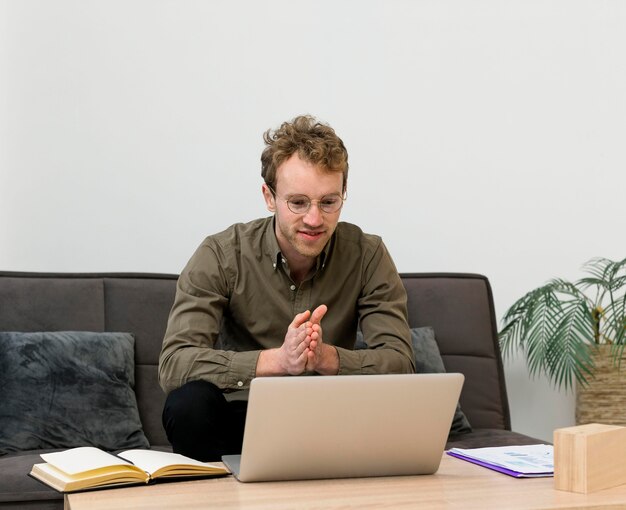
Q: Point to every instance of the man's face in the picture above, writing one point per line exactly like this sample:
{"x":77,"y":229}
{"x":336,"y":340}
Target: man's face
{"x":303,"y":236}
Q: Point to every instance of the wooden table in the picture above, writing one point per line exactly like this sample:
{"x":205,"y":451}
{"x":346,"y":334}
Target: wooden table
{"x":457,"y":484}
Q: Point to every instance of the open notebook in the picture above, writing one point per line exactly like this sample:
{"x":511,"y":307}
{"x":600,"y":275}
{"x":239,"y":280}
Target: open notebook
{"x":345,"y":426}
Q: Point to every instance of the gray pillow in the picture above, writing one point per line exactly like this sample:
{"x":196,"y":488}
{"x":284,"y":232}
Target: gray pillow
{"x":428,"y":361}
{"x":67,"y":389}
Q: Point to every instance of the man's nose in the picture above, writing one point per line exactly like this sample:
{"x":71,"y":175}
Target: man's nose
{"x":313,"y":216}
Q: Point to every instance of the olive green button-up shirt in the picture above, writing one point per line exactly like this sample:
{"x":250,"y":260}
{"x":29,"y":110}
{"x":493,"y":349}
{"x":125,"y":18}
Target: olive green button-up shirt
{"x":235,"y":298}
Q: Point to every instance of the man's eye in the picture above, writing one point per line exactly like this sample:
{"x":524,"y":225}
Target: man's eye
{"x":330,"y":201}
{"x":298,"y":201}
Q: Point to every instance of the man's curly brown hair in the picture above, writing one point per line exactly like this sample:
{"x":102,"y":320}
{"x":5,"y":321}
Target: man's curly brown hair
{"x":315,"y":142}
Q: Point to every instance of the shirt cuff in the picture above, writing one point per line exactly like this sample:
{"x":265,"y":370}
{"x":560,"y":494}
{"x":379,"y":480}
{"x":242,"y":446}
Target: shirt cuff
{"x":349,"y":361}
{"x":242,"y":369}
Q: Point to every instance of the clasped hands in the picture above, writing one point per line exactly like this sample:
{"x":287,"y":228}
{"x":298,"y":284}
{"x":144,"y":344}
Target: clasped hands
{"x":303,"y":350}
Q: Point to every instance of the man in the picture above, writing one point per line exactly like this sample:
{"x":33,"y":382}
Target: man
{"x":252,"y":300}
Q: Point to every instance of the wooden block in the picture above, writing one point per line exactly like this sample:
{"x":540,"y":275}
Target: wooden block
{"x":588,"y":458}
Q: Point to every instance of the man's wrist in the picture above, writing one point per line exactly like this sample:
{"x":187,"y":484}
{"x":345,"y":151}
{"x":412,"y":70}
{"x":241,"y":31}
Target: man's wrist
{"x":269,"y":364}
{"x":329,"y":361}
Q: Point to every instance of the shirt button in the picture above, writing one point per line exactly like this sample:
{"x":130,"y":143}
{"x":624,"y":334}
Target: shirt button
{"x":293,"y":287}
{"x":239,"y":383}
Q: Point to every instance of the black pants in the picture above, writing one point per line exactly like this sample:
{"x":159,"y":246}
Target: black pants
{"x":200,"y":423}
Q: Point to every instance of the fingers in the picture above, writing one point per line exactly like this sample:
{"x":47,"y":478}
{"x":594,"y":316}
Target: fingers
{"x":311,"y":360}
{"x":302,"y":344}
{"x":300,"y":319}
{"x":314,"y":338}
{"x":318,"y":314}
{"x":293,"y":351}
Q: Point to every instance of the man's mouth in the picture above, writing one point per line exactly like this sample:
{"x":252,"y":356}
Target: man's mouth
{"x":311,"y":234}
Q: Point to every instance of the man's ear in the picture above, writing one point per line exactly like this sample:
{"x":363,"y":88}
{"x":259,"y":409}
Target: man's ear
{"x":270,"y":201}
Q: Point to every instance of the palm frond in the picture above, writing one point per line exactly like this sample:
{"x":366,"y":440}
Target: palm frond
{"x":585,"y":283}
{"x":568,"y":358}
{"x":560,"y":286}
{"x":619,"y":265}
{"x":557,"y":325}
{"x":513,"y":334}
{"x":612,"y":269}
{"x":534,"y":322}
{"x":511,"y":337}
{"x":618,"y":283}
{"x":614,"y":321}
{"x":539,"y":324}
{"x":598,"y":267}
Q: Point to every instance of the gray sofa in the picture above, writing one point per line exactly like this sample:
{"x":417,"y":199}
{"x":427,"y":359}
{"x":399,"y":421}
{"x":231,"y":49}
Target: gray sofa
{"x":458,"y":306}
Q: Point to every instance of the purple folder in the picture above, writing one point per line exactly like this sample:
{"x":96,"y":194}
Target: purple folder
{"x":500,"y":469}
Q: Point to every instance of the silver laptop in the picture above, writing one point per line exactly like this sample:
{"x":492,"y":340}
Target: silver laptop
{"x":300,"y":428}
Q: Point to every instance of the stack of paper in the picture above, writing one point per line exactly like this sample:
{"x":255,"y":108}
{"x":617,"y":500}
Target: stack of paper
{"x":519,"y":461}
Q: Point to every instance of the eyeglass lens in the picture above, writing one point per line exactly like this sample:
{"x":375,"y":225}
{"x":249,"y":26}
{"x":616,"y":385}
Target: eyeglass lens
{"x":301,"y":203}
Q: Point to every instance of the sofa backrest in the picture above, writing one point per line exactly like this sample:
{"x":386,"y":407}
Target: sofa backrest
{"x":459,"y":308}
{"x":135,"y":303}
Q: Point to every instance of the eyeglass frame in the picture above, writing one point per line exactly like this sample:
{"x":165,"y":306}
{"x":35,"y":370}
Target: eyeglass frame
{"x":343,"y":198}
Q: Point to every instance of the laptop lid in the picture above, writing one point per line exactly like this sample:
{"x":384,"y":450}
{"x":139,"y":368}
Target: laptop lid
{"x":300,"y":428}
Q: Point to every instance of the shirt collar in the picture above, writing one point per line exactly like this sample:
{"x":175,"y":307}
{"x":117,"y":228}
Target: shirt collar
{"x":273,"y":249}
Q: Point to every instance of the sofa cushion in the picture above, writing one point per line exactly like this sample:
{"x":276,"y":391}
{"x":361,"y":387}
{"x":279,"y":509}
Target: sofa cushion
{"x":67,"y":389}
{"x":428,"y":361}
{"x":18,"y":490}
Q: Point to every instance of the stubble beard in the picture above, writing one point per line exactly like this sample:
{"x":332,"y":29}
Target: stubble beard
{"x":310,"y":249}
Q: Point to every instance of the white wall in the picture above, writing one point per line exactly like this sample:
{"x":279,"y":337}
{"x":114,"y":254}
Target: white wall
{"x":484,"y":136}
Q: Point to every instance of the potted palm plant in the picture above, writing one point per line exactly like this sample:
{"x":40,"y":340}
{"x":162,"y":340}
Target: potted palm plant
{"x":575,"y":334}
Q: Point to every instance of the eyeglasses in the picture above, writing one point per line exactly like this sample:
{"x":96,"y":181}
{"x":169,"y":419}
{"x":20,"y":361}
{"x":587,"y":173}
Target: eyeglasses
{"x":300,"y":204}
